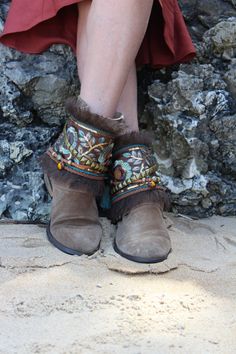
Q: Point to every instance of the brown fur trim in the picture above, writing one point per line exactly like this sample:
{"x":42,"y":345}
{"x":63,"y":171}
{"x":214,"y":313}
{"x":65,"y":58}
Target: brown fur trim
{"x":79,"y":109}
{"x":69,"y":179}
{"x":123,"y":206}
{"x":143,"y":137}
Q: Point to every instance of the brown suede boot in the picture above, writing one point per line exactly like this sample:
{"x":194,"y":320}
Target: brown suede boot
{"x":138,"y":200}
{"x":75,"y":168}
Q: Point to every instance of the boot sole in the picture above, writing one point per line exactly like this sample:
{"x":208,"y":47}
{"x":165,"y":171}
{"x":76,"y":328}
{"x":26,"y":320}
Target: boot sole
{"x":63,"y":248}
{"x":139,"y":259}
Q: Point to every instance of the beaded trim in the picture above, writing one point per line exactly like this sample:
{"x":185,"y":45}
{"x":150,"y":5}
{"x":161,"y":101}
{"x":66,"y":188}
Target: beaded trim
{"x":83,"y":150}
{"x":134,"y":170}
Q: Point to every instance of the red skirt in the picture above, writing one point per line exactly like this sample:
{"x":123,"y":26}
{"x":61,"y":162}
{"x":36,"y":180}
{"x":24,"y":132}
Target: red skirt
{"x":33,"y":26}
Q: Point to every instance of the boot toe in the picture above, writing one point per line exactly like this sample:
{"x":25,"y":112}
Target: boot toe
{"x":147,"y":248}
{"x":76,"y":239}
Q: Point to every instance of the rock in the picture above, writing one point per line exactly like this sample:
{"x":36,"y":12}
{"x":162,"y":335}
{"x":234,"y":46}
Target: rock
{"x":189,"y":107}
{"x":206,"y":203}
{"x":45,"y":82}
{"x":192,"y":117}
{"x":202,"y":15}
{"x":18,"y":151}
{"x":3,"y":203}
{"x":5,"y":162}
{"x":220,"y":40}
{"x":14,"y":105}
{"x":22,"y":193}
{"x":225,"y":151}
{"x":230,"y":78}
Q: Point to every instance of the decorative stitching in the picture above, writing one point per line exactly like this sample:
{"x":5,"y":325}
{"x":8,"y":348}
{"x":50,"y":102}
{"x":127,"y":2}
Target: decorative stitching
{"x":134,"y":170}
{"x":83,"y":150}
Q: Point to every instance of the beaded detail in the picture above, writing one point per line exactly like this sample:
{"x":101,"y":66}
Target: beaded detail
{"x":134,"y":170}
{"x":83,"y":150}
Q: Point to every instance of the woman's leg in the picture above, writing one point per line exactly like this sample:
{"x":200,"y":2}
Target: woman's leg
{"x":127,"y":103}
{"x":109,"y":36}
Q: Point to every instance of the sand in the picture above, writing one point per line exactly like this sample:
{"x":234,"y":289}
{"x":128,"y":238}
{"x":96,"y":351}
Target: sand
{"x":51,"y":302}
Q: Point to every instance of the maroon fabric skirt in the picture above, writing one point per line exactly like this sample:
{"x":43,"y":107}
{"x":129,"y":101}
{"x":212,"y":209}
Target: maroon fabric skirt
{"x":32,"y":26}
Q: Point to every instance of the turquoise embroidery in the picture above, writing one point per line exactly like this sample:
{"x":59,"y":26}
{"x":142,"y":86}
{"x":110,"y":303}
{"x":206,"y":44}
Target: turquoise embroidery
{"x":83,"y":150}
{"x":134,"y":170}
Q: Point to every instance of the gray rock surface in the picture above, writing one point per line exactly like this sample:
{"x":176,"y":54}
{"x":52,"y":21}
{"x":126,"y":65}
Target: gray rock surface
{"x":190,"y":107}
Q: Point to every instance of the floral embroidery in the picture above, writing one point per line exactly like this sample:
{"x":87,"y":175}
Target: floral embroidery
{"x":134,"y":168}
{"x":84,"y":149}
{"x":122,"y":170}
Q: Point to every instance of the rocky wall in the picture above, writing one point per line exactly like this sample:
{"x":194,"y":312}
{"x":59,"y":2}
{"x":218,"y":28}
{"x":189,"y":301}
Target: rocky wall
{"x":190,"y":108}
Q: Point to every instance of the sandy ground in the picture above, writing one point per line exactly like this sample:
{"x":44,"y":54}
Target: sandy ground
{"x":54,"y":303}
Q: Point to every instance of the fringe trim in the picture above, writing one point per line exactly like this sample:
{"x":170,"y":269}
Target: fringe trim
{"x":70,"y":180}
{"x":144,"y":137}
{"x":123,"y":207}
{"x":79,"y":109}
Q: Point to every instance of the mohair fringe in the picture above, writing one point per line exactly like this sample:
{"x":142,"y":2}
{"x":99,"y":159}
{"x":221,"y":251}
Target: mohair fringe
{"x":69,"y":179}
{"x":144,"y":137}
{"x":123,"y":207}
{"x":80,"y":111}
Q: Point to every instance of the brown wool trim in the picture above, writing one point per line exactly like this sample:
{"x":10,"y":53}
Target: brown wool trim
{"x":69,"y":179}
{"x":132,"y":138}
{"x":87,"y":127}
{"x":123,"y":207}
{"x":80,"y":111}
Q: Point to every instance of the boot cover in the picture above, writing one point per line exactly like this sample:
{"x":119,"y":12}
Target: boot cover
{"x":81,"y":156}
{"x":138,"y":199}
{"x":76,"y":167}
